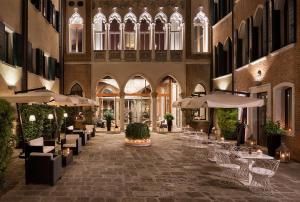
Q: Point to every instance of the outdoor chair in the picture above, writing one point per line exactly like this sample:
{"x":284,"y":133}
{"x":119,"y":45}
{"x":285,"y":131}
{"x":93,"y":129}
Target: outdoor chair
{"x":262,"y":171}
{"x":39,"y":145}
{"x":90,"y":129}
{"x":43,"y":168}
{"x":83,"y":135}
{"x":230,"y":170}
{"x":73,"y":142}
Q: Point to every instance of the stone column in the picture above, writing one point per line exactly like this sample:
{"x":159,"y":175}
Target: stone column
{"x":183,"y":120}
{"x":183,"y":41}
{"x":138,"y":26}
{"x":107,"y":42}
{"x":122,"y":40}
{"x":153,"y":41}
{"x":154,"y":111}
{"x":168,"y":40}
{"x":122,"y":110}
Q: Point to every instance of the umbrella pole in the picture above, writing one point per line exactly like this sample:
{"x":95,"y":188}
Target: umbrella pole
{"x":56,"y":123}
{"x":21,"y":130}
{"x":211,"y":122}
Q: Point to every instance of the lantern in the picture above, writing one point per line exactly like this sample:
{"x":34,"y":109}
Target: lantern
{"x":283,"y":153}
{"x":251,"y":141}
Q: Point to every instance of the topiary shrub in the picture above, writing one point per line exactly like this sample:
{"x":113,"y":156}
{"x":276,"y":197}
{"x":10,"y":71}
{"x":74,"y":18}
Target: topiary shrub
{"x":137,"y":131}
{"x":227,"y":121}
{"x":6,"y":138}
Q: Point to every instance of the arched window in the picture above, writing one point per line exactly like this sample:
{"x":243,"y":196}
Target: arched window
{"x":145,"y":30}
{"x":228,"y":56}
{"x":257,"y":35}
{"x":76,"y":90}
{"x":115,"y":31}
{"x":243,"y":44}
{"x":176,"y":21}
{"x":201,"y":37}
{"x":76,"y":32}
{"x":99,"y":30}
{"x":160,"y":31}
{"x":130,"y":30}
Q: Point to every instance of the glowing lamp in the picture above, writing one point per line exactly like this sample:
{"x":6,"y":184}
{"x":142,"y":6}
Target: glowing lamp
{"x":50,"y":116}
{"x":65,"y":115}
{"x":283,"y":153}
{"x":32,"y":118}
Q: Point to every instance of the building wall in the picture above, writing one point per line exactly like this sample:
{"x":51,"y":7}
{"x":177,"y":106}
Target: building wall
{"x":10,"y":14}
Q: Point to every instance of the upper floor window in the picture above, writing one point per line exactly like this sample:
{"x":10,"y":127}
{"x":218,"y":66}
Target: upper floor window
{"x":201,"y":36}
{"x":76,"y":32}
{"x":130,"y":21}
{"x":145,"y":30}
{"x":76,"y":90}
{"x":160,"y":30}
{"x":176,"y":36}
{"x":115,"y":30}
{"x":99,"y":30}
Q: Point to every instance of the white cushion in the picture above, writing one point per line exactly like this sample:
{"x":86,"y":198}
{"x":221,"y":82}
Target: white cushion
{"x":89,"y":128}
{"x":70,"y":127}
{"x":47,"y":149}
{"x":37,"y":142}
{"x":230,"y":166}
{"x":73,"y":136}
{"x":69,"y":145}
{"x":41,"y":154}
{"x":262,"y":171}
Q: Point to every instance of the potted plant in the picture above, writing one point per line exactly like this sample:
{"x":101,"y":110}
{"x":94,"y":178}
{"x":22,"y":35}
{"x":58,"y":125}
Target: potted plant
{"x":108,"y":116}
{"x":169,"y":118}
{"x":227,"y":122}
{"x":273,"y":132}
{"x":137,"y":134}
{"x":6,"y":139}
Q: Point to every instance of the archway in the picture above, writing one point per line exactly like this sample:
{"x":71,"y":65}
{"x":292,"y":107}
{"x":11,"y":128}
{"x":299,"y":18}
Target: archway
{"x":108,"y":95}
{"x":76,"y":90}
{"x":168,"y":91}
{"x":137,"y":100}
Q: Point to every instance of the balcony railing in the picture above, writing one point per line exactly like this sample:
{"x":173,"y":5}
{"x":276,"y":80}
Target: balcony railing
{"x":161,"y":55}
{"x":100,"y":55}
{"x":114,"y":55}
{"x":130,"y":55}
{"x":145,"y":55}
{"x":176,"y":55}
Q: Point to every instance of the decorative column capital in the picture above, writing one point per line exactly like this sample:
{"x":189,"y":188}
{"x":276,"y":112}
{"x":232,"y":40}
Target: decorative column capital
{"x":122,"y":94}
{"x":154,"y":95}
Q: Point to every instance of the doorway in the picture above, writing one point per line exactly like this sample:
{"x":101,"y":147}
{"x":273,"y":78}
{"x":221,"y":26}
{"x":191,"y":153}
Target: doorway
{"x":261,"y":120}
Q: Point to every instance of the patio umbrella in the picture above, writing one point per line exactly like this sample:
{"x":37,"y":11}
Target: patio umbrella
{"x":40,"y":96}
{"x":219,"y":101}
{"x":83,"y":101}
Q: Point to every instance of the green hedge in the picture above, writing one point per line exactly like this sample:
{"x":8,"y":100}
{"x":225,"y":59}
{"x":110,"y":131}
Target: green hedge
{"x":42,"y":126}
{"x":137,"y":131}
{"x":6,"y":138}
{"x":227,"y":121}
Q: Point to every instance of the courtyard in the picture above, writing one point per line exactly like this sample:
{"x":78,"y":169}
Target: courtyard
{"x":107,"y":170}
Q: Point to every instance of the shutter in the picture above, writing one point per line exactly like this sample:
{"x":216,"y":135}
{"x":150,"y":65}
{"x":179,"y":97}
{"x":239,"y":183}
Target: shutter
{"x":17,"y":49}
{"x":48,"y":13}
{"x":224,"y":62}
{"x":40,"y":62}
{"x":57,"y":21}
{"x":220,"y":59}
{"x":229,"y":57}
{"x":2,"y":42}
{"x":37,"y":61}
{"x":57,"y":69}
{"x":276,"y":31}
{"x":29,"y":57}
{"x":255,"y":51}
{"x":215,"y":13}
{"x":292,"y":22}
{"x":266,"y":29}
{"x":216,"y":63}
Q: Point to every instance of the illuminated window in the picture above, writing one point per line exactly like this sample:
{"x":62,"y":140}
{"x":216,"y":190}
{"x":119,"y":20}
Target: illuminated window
{"x":160,"y":30}
{"x":176,"y":21}
{"x":145,"y":31}
{"x":115,"y":31}
{"x":130,"y":30}
{"x":201,"y":36}
{"x":76,"y":32}
{"x":99,"y":30}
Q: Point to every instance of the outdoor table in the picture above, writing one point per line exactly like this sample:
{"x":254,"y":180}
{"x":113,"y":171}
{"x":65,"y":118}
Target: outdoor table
{"x":251,"y":158}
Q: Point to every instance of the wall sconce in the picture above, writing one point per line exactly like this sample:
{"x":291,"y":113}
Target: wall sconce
{"x":259,"y":75}
{"x":32,"y":118}
{"x":50,"y":116}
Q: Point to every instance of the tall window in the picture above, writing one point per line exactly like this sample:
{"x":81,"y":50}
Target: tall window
{"x":76,"y":32}
{"x":115,"y":31}
{"x":160,"y":35}
{"x":176,"y":21}
{"x":201,"y":37}
{"x":145,"y":30}
{"x":130,"y":30}
{"x":99,"y":30}
{"x":288,"y":108}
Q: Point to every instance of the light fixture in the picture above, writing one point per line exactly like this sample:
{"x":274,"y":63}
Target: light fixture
{"x":11,"y":87}
{"x":259,"y":75}
{"x":50,"y":116}
{"x":65,"y":115}
{"x":32,"y":118}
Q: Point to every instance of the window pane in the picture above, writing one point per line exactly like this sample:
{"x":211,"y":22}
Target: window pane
{"x":73,"y":40}
{"x":79,"y":40}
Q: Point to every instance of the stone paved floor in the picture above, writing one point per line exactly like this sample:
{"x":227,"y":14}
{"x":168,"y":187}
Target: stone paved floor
{"x":107,"y":170}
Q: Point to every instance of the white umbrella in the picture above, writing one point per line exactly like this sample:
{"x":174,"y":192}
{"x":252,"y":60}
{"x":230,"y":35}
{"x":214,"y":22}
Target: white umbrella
{"x":39,"y":96}
{"x":220,"y":101}
{"x":83,"y":101}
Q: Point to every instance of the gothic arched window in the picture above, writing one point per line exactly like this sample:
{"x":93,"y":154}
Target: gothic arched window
{"x":115,"y":30}
{"x":99,"y":30}
{"x":76,"y":32}
{"x":145,"y":30}
{"x":76,"y":90}
{"x":176,"y":21}
{"x":130,"y":21}
{"x":201,"y":37}
{"x":160,"y":30}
